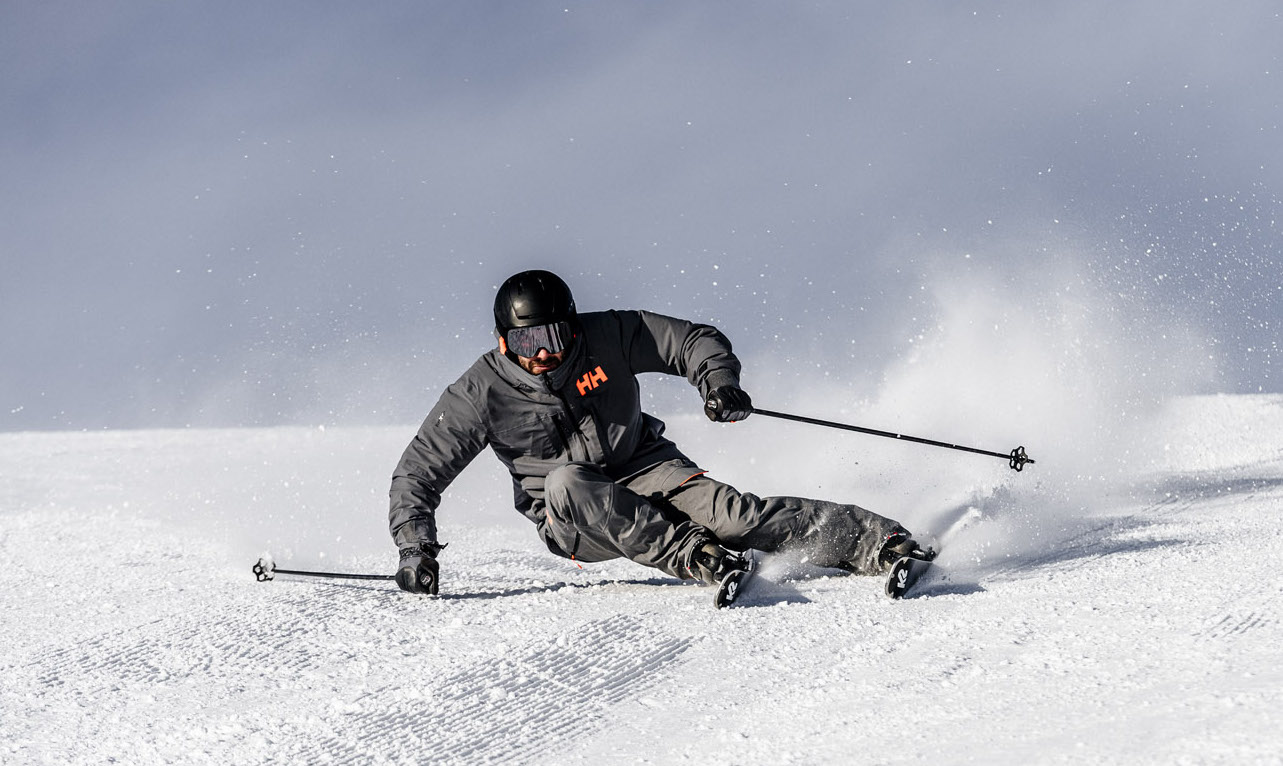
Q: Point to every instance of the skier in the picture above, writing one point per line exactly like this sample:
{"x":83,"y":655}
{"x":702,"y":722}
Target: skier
{"x":558,"y":402}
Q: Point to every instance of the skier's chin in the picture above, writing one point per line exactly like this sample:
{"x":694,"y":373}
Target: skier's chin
{"x":539,"y":368}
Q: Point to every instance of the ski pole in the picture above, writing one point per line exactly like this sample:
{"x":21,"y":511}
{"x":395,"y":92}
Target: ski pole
{"x":1016,"y":458}
{"x":265,"y":570}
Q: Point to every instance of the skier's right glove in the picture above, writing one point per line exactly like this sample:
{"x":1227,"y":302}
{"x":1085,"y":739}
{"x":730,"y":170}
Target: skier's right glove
{"x":727,"y":404}
{"x":419,"y":571}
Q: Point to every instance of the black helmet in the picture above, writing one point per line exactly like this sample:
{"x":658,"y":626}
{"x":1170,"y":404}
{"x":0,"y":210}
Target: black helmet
{"x":533,"y":298}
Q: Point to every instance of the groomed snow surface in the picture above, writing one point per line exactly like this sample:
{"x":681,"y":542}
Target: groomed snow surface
{"x":1128,"y":615}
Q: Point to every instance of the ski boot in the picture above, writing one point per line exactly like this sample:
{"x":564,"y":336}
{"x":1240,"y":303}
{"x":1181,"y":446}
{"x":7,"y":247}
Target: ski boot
{"x":898,"y":545}
{"x":725,"y":570}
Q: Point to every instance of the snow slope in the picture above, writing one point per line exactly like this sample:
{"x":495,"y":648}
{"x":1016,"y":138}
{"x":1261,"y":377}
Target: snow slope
{"x":1075,"y":617}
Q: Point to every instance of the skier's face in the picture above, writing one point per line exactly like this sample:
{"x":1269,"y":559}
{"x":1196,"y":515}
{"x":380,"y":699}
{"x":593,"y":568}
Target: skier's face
{"x":541,"y":362}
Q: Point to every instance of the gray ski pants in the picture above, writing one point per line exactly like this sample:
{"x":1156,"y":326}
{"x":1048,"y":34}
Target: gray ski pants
{"x":661,"y":515}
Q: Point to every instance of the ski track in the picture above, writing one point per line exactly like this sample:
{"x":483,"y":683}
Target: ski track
{"x":142,"y":655}
{"x":501,"y":709}
{"x":1255,"y":608}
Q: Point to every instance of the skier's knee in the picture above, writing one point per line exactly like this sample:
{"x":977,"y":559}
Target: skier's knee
{"x":560,"y":487}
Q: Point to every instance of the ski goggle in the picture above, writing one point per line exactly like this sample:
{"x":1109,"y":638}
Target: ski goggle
{"x":526,"y":341}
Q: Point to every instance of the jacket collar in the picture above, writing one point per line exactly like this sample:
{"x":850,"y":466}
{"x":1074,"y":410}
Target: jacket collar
{"x":548,"y":382}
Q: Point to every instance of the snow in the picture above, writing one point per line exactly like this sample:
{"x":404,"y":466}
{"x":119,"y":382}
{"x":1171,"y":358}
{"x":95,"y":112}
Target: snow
{"x":1127,"y":618}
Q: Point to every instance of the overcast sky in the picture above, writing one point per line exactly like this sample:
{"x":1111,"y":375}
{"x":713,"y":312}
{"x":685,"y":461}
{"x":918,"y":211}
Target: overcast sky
{"x":234,"y":213}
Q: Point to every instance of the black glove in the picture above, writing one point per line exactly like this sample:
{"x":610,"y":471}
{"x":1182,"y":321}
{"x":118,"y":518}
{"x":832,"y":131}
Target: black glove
{"x":419,"y":571}
{"x":727,"y":404}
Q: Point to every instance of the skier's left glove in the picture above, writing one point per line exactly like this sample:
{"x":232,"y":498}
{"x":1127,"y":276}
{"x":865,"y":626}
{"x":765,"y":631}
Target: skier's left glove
{"x":419,"y":571}
{"x":727,"y":404}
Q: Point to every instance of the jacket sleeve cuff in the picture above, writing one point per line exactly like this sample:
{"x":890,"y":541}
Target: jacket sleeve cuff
{"x":716,"y":379}
{"x":425,"y":548}
{"x":418,"y":530}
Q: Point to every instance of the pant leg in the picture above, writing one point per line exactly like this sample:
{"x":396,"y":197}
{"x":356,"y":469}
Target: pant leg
{"x":827,"y":534}
{"x":593,"y":518}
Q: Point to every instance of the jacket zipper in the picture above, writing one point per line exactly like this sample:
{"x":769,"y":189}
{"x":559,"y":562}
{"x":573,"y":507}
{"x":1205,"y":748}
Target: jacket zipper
{"x":570,"y":429}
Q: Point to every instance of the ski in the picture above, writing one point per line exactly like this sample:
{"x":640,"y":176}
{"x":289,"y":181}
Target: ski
{"x":733,"y":585}
{"x":904,"y":573}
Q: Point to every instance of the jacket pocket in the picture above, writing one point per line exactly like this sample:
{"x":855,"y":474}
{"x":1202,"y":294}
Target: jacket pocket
{"x":529,"y":435}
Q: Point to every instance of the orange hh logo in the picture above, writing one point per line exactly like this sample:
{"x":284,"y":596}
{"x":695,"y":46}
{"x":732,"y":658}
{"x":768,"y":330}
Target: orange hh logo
{"x":590,"y":380}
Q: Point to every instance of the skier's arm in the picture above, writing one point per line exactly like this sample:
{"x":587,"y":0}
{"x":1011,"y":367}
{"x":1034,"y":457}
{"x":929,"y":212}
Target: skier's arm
{"x":450,"y":437}
{"x":698,"y":352}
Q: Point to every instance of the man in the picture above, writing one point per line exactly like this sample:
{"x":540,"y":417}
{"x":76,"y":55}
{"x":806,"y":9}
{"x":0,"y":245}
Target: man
{"x":558,"y":402}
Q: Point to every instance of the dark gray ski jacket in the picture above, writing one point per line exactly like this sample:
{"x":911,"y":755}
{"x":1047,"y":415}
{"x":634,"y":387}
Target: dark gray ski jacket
{"x":587,"y":410}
